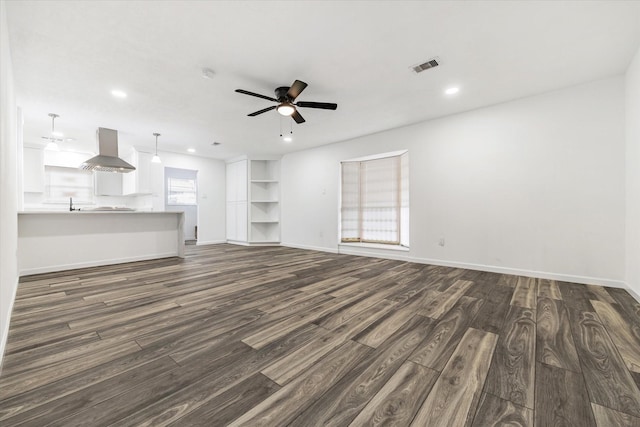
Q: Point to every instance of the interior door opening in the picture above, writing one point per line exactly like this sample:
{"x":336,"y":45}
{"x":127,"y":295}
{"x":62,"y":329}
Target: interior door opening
{"x":181,"y":195}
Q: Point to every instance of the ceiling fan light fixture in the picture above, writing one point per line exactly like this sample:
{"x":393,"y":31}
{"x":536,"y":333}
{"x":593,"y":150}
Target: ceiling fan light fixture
{"x":52,"y":146}
{"x":285,"y":109}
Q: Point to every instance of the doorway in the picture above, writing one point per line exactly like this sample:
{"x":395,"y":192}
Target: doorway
{"x":181,"y":195}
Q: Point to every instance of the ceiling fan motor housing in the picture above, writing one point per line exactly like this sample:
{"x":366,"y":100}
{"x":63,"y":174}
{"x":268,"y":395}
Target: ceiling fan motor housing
{"x":281,"y":94}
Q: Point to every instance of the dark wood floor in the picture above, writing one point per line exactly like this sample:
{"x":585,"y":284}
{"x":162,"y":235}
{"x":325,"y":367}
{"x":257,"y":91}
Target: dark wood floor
{"x":278,"y":336}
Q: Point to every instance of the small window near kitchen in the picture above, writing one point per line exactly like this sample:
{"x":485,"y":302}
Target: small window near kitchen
{"x":62,"y":183}
{"x":375,"y":200}
{"x":181,"y":191}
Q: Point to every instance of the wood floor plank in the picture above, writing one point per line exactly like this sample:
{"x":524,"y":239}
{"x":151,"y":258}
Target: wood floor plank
{"x":607,"y":417}
{"x":493,"y":411}
{"x":83,"y":398}
{"x":621,"y":332}
{"x":441,"y":340}
{"x":575,"y":295}
{"x":548,"y":289}
{"x":599,"y":293}
{"x":525,"y":293}
{"x":284,"y":405}
{"x":296,"y":362}
{"x":554,"y":343}
{"x":630,"y":306}
{"x":512,"y":372}
{"x":490,"y":316}
{"x":454,"y":398}
{"x":561,"y":398}
{"x":225,"y":408}
{"x":159,"y":342}
{"x":608,"y":381}
{"x":440,"y":304}
{"x":343,"y":401}
{"x":399,"y":399}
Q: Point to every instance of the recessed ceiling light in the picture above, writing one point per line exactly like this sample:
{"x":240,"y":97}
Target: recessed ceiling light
{"x":118,"y":93}
{"x":191,"y":150}
{"x":452,"y":90}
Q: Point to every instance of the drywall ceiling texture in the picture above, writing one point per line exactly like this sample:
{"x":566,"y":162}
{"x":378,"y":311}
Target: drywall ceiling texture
{"x":68,"y":55}
{"x":8,"y":185}
{"x":633,"y":175}
{"x":533,"y":186}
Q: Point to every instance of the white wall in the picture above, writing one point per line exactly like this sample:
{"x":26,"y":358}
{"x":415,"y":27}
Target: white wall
{"x":533,"y":186}
{"x":8,"y":185}
{"x":211,"y":192}
{"x":632,"y":169}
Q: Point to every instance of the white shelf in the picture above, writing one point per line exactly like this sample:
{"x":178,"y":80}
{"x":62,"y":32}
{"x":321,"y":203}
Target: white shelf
{"x":258,"y":221}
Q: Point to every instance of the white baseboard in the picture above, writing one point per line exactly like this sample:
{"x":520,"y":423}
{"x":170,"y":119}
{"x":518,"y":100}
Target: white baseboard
{"x":63,"y":267}
{"x":310,"y":248}
{"x":209,"y":242}
{"x":404,"y":256}
{"x":632,"y":292}
{"x":522,"y":272}
{"x":4,"y":334}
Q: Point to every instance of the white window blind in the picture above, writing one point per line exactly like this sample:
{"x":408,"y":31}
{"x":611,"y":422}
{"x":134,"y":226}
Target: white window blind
{"x":181,"y":191}
{"x":375,"y":201}
{"x":62,"y":183}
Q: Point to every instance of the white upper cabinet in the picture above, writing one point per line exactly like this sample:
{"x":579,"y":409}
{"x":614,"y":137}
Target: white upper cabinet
{"x":138,"y":181}
{"x":33,"y":170}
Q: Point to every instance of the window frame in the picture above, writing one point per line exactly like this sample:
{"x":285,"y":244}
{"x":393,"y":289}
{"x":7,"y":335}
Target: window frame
{"x":401,"y":192}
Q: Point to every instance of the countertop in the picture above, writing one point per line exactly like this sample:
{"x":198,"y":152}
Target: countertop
{"x":87,"y":212}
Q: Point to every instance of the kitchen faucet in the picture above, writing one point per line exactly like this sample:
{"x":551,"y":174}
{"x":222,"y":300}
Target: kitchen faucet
{"x":71,"y":208}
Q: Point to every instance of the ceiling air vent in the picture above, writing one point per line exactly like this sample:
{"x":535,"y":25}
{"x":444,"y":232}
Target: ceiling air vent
{"x":432,"y":63}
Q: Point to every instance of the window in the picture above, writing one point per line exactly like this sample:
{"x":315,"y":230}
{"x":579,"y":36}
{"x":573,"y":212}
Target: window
{"x":63,"y":183}
{"x":375,"y":200}
{"x":181,"y":191}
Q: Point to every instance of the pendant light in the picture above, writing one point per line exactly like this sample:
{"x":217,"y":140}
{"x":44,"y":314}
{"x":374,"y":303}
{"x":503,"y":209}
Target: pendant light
{"x":54,"y":138}
{"x":156,"y":158}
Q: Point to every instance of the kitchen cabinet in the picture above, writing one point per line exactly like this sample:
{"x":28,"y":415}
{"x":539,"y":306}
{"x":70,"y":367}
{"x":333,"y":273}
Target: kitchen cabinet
{"x":33,"y":167}
{"x":236,"y":197}
{"x":253,"y":201}
{"x":138,"y":181}
{"x":108,"y":183}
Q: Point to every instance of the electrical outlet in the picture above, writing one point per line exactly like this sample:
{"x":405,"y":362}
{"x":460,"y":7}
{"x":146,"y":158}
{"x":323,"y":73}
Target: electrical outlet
{"x":441,"y":242}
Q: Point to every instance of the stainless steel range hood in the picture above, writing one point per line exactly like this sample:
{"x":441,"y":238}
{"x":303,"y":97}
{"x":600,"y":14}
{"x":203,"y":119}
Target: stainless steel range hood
{"x":107,"y":159}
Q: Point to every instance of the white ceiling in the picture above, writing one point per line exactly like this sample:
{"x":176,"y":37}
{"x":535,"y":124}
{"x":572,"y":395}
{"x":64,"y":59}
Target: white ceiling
{"x":68,"y":56}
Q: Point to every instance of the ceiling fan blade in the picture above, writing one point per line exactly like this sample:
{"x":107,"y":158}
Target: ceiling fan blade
{"x":296,"y":88}
{"x":297,"y":117}
{"x":273,"y":107}
{"x":246,"y":92}
{"x":323,"y":105}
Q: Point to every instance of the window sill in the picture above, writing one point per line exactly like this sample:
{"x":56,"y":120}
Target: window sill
{"x":374,"y":246}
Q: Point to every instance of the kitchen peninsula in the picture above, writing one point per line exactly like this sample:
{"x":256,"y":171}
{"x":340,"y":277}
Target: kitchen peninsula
{"x":56,"y":241}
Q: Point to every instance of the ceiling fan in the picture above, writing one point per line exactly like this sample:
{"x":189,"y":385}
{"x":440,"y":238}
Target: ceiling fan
{"x":285,"y":97}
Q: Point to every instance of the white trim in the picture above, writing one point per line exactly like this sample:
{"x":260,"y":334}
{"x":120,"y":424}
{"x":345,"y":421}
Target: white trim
{"x":209,"y":242}
{"x":310,"y":248}
{"x":113,"y":261}
{"x":377,"y":156}
{"x":522,"y":272}
{"x":633,"y":293}
{"x":374,"y":252}
{"x":381,"y":246}
{"x":5,"y":333}
{"x":238,"y":242}
{"x":403,"y":256}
